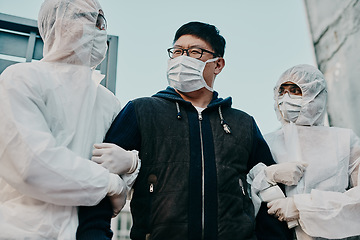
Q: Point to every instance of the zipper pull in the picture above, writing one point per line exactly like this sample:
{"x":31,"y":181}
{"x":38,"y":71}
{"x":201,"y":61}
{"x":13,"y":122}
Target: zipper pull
{"x":242,"y":186}
{"x":152,"y":179}
{"x":200,"y":116}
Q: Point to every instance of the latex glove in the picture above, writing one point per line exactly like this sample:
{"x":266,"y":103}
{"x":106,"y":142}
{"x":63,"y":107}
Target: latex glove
{"x":288,"y":173}
{"x":129,"y":178}
{"x":284,"y":209}
{"x":114,"y":158}
{"x":117,"y":192}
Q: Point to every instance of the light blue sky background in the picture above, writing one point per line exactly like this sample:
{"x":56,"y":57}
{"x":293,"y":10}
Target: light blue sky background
{"x":264,"y":38}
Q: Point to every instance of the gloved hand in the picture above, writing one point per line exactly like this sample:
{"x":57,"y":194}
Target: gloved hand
{"x":129,"y":178}
{"x":117,"y":192}
{"x":284,"y":209}
{"x":114,"y":158}
{"x":288,"y":173}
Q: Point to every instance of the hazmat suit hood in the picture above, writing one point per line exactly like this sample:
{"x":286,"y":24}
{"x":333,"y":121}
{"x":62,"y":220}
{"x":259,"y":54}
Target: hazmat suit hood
{"x":68,"y":29}
{"x":314,"y":94}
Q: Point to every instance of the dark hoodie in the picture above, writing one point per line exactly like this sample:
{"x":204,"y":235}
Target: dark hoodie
{"x":192,"y":181}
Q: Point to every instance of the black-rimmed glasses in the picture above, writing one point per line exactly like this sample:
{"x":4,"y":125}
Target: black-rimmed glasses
{"x":193,"y":52}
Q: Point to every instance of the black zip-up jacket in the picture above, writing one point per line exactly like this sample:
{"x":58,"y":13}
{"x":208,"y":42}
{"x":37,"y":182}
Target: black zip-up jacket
{"x":192,"y":181}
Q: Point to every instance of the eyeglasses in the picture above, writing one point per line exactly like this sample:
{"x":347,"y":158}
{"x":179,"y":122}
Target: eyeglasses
{"x":292,"y":89}
{"x":101,"y":22}
{"x":193,"y":52}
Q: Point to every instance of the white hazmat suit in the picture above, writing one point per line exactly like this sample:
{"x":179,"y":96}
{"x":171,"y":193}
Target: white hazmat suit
{"x":326,"y":208}
{"x":52,"y":112}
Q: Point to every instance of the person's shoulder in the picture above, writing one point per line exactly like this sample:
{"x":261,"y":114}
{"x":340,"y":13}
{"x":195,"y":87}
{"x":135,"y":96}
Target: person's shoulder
{"x":106,"y":93}
{"x":22,"y":73}
{"x":143,"y":101}
{"x":239,"y":113}
{"x":18,"y":69}
{"x":106,"y":99}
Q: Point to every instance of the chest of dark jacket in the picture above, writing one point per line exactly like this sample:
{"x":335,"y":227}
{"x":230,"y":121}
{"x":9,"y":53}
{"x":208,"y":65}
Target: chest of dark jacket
{"x":178,"y":155}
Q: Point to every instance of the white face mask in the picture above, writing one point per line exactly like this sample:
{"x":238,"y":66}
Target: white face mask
{"x":290,"y":106}
{"x":186,"y":73}
{"x":100,"y":47}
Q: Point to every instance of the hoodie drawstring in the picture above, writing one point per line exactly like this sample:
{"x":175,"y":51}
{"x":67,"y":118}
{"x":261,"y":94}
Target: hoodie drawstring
{"x":223,"y":123}
{"x":178,"y":111}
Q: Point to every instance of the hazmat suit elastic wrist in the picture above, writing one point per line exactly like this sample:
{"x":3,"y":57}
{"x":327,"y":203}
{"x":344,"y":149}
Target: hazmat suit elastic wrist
{"x":116,"y":185}
{"x":257,"y":180}
{"x":129,"y":178}
{"x":135,"y":161}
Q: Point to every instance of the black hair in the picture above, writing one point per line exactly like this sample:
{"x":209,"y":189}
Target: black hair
{"x":208,"y":33}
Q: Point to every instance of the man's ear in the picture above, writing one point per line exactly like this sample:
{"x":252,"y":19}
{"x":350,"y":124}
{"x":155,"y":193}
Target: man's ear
{"x":220,"y":64}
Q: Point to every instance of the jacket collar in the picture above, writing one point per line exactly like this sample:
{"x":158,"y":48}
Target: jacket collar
{"x":170,"y":94}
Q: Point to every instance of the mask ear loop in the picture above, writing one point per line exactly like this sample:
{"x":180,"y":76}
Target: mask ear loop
{"x":211,"y":89}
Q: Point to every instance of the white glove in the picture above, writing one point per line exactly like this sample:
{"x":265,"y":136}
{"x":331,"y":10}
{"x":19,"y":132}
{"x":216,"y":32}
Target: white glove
{"x":114,"y":158}
{"x":288,"y":173}
{"x":117,"y":192}
{"x":129,"y":178}
{"x":284,"y":209}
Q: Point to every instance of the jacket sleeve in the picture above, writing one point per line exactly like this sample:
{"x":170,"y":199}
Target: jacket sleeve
{"x":31,"y":159}
{"x":267,"y":226}
{"x":94,"y":221}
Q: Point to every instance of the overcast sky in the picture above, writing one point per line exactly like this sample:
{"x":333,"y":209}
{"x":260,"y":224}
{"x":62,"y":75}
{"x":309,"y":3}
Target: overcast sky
{"x":264,"y":38}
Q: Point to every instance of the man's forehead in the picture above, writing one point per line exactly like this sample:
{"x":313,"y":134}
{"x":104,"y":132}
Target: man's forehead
{"x":187,"y":41}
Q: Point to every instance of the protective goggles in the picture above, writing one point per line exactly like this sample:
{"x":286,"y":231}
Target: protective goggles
{"x":292,"y":90}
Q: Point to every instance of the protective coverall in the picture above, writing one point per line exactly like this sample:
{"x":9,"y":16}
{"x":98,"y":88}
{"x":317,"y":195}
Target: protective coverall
{"x":52,"y":112}
{"x":326,"y":208}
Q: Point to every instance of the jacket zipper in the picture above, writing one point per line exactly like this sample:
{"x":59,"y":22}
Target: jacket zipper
{"x":152,"y":180}
{"x":202,"y":180}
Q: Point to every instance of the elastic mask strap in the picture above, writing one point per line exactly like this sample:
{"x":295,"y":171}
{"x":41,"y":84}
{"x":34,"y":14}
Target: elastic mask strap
{"x":208,"y":61}
{"x":212,"y":60}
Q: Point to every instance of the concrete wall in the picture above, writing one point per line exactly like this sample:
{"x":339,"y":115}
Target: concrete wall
{"x":335,"y":30}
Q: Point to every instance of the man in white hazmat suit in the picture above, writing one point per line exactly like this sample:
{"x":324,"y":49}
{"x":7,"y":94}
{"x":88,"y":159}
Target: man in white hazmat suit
{"x":326,"y":200}
{"x":52,"y":112}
